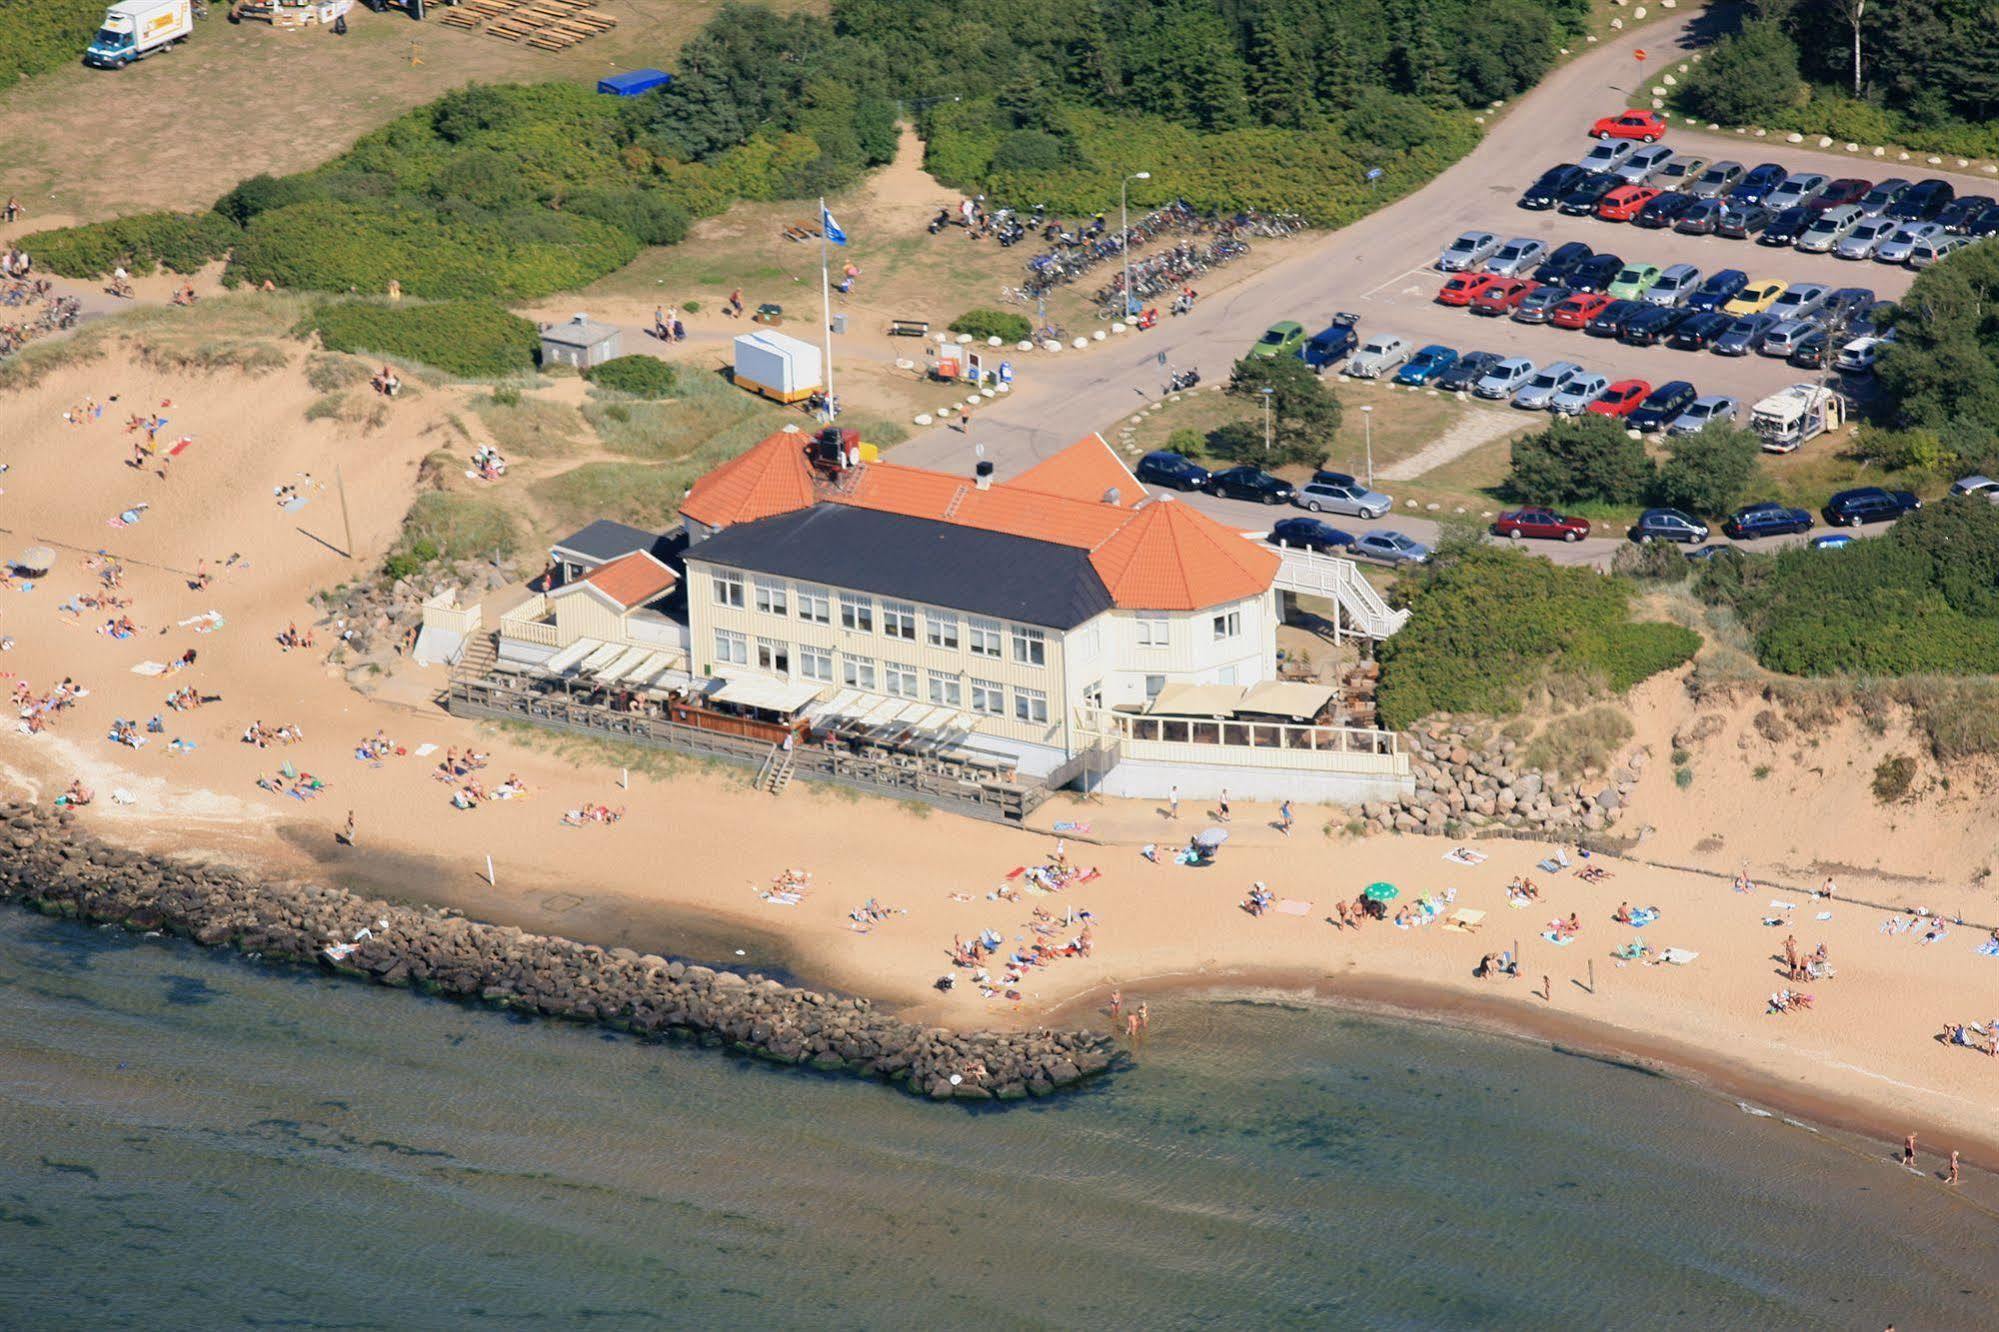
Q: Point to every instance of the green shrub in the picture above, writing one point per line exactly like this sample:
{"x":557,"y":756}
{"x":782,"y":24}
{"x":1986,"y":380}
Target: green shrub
{"x":1748,"y":78}
{"x":1683,"y":777}
{"x":1590,"y":458}
{"x":1709,"y":472}
{"x":40,"y":35}
{"x":443,"y":525}
{"x":1893,"y":776}
{"x":466,"y":338}
{"x":638,"y":376}
{"x":1651,"y":562}
{"x":141,"y":243}
{"x":1580,"y":741}
{"x":1001,"y":324}
{"x":1304,"y":415}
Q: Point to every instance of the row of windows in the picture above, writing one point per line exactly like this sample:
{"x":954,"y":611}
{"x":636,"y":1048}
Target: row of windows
{"x":888,"y":677}
{"x":858,"y":614}
{"x":1155,"y":628}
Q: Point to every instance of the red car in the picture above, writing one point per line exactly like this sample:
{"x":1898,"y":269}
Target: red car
{"x":1502,"y":295}
{"x":1545,"y":524}
{"x":1465,"y":288}
{"x":1621,"y":398}
{"x":1622,"y":204}
{"x":1577,"y":310}
{"x":1644,"y":126}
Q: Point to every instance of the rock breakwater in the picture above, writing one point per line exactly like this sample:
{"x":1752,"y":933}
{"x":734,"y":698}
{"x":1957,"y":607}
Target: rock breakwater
{"x":47,"y":862}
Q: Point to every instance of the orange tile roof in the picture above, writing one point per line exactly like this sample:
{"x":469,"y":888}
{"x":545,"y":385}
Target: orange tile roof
{"x":771,"y":478}
{"x":1169,"y":557}
{"x":918,"y":493}
{"x":632,"y":580}
{"x":1087,"y":470}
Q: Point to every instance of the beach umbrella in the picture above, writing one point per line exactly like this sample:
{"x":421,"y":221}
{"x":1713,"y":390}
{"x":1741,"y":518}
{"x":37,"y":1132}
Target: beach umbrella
{"x":36,"y":560}
{"x":1381,"y":892}
{"x":1211,"y":838}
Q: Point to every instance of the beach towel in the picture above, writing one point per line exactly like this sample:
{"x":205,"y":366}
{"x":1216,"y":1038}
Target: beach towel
{"x":1823,"y":915}
{"x":1775,"y":905}
{"x":180,"y":446}
{"x":294,"y":505}
{"x":425,"y":751}
{"x":1518,"y":903}
{"x":1679,"y":957}
{"x":150,"y":668}
{"x":783,"y":899}
{"x":1068,"y":826}
{"x":205,"y":623}
{"x":1291,"y":906}
{"x":1987,"y":949}
{"x":1933,"y":938}
{"x":1557,"y":939}
{"x":1464,"y":855}
{"x":1549,"y":866}
{"x":120,"y":796}
{"x":1643,"y":916}
{"x":1464,"y":920}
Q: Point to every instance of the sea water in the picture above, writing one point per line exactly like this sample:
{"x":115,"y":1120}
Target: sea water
{"x":191,"y":1141}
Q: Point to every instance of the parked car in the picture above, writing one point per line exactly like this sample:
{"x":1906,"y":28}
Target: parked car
{"x":1720,"y":550}
{"x":1902,"y":242}
{"x":1701,"y":217}
{"x":1652,"y":325}
{"x":1536,"y":305}
{"x":1333,"y":343}
{"x":1757,"y":182}
{"x":1518,"y":257}
{"x":1537,"y":393}
{"x":1254,"y":484}
{"x":1669,"y":525}
{"x":1976,"y":484}
{"x":1846,"y":305}
{"x":1719,"y":178}
{"x":1753,"y":521}
{"x":1800,"y":301}
{"x":1810,"y":353}
{"x":1644,"y":126}
{"x":1869,"y":232}
{"x":1578,"y":308}
{"x":1986,"y":224}
{"x":1621,"y":399}
{"x":1576,"y":395}
{"x":1280,"y":339}
{"x":1662,"y":405}
{"x":1426,"y":364}
{"x":1378,"y":355}
{"x":1883,"y":196}
{"x":1745,"y":335}
{"x":1787,"y":226}
{"x":1562,"y":263}
{"x":1502,"y":296}
{"x":1633,"y":281}
{"x":1643,"y":163}
{"x":1505,"y":379}
{"x":1756,"y":296}
{"x":1391,"y":547}
{"x":1471,"y":368}
{"x":1798,"y":189}
{"x":1785,"y":336}
{"x":1845,"y":192}
{"x":1674,"y":284}
{"x":1829,"y":228}
{"x":1831,"y":541}
{"x":1348,"y":497}
{"x":1548,"y":186}
{"x":1664,"y":211}
{"x":1464,"y":288}
{"x":1595,"y":273}
{"x":1961,"y":212}
{"x":1541,"y":524}
{"x":1162,"y":467}
{"x":1308,"y":534}
{"x":1700,"y":330}
{"x":1872,"y":320}
{"x":1719,"y":289}
{"x":1702,"y":413}
{"x":1869,"y":504}
{"x":1585,"y":193}
{"x":1935,"y":250}
{"x":1610,"y":320}
{"x":1922,"y":201}
{"x":1622,"y":204}
{"x":1680,"y":171}
{"x":1741,"y":220}
{"x":1468,"y":252}
{"x":1858,"y":356}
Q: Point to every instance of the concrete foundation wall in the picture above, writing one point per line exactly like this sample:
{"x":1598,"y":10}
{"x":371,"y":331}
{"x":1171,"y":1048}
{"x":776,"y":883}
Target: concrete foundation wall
{"x":1150,"y":781}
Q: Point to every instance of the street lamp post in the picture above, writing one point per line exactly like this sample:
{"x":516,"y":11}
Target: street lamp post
{"x":1124,"y":230}
{"x":1267,"y":392}
{"x":1367,"y":430}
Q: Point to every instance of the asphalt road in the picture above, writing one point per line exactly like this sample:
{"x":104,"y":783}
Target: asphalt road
{"x":1382,"y":267}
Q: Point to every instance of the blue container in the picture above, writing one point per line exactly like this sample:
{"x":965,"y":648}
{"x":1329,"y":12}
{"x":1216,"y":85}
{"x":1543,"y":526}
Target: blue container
{"x":636,"y":82}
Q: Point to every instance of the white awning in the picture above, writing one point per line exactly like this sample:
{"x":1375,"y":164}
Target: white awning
{"x":879,"y":711}
{"x":605,"y":654}
{"x":648,"y":665}
{"x":1287,"y":698}
{"x":763,"y":691}
{"x":670,"y":678}
{"x":615,"y":668}
{"x":565,"y":661}
{"x":1192,"y":700}
{"x":841,"y":705}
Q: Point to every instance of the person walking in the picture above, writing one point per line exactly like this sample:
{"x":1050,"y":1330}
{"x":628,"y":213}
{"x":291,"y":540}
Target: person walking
{"x":1222,"y":805}
{"x":347,"y":833}
{"x":1909,"y":1151}
{"x":660,"y":328}
{"x":736,"y":303}
{"x":1173,"y":802}
{"x":1953,"y":1177}
{"x":964,"y":423}
{"x":1117,"y":1003}
{"x":1284,"y":818}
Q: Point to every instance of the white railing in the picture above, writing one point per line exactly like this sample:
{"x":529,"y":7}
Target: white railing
{"x":1315,"y":573}
{"x":526,"y":623}
{"x":441,"y":611}
{"x":1247,"y":744}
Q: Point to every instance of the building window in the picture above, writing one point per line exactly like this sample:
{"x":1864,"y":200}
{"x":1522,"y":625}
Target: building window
{"x":771,"y":597}
{"x":899,"y":620}
{"x":858,"y":672}
{"x":731,"y":648}
{"x":900,"y":679}
{"x":985,"y":638}
{"x":1030,"y":646}
{"x":943,"y":630}
{"x":1153,"y":684}
{"x":988,"y":698}
{"x":774,"y":655}
{"x":815,"y":605}
{"x":1154,"y":629}
{"x":1228,"y":625}
{"x":947,"y":691}
{"x":815,"y":663}
{"x":728,"y":588}
{"x":857,"y":613}
{"x":1093,"y":694}
{"x":1030,"y":705}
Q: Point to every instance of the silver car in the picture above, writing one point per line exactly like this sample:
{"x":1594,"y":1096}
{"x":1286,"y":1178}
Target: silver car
{"x":1355,"y":500}
{"x":1673,"y":286}
{"x":1390,"y":548}
{"x":1829,"y":229}
{"x":1782,"y":340}
{"x":1378,"y":355}
{"x":1702,"y":413}
{"x":1546,"y":383}
{"x":1858,"y":356}
{"x":1800,"y":187}
{"x":1859,"y":243}
{"x":1608,"y":155}
{"x":1717,"y":180}
{"x":1505,"y":379}
{"x":1579,"y":393}
{"x":1468,"y":252}
{"x":1930,"y":251}
{"x":1644,"y":163}
{"x":1800,"y":301}
{"x":1976,"y":485}
{"x":1899,"y":246}
{"x":1518,"y":257}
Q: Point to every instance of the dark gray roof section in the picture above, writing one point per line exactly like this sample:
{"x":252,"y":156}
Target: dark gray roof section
{"x":604,"y":541}
{"x":579,"y":332}
{"x":918,"y":559}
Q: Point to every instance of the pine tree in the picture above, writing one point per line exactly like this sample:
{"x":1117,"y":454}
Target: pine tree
{"x":1280,"y":92}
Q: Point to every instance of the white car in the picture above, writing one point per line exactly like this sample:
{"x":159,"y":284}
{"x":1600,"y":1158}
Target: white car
{"x":1518,"y":257}
{"x":1858,"y":356}
{"x":1897,"y":248}
{"x":1467,"y":252}
{"x":1505,"y":379}
{"x":1702,"y":413}
{"x":1379,"y":355}
{"x":1579,"y":393}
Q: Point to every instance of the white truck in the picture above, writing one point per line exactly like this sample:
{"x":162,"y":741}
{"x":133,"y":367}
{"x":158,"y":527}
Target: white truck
{"x":1795,"y":415}
{"x":135,"y":29}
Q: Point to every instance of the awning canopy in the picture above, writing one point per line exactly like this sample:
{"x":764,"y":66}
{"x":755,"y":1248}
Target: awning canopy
{"x":566,"y":660}
{"x":614,"y":670}
{"x":1287,"y":698}
{"x":605,"y":654}
{"x":1192,"y":700}
{"x":762,"y":691}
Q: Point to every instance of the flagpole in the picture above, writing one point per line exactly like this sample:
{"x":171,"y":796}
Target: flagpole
{"x":826,"y":304}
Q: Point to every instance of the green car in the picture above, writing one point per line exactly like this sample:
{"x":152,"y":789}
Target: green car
{"x":1280,"y":340}
{"x":1633,"y":281}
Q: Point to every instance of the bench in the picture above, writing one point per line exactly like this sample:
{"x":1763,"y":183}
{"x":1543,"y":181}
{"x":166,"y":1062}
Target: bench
{"x":909,"y":328}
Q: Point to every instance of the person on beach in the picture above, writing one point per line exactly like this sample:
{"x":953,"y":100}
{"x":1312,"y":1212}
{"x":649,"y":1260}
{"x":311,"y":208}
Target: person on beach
{"x":1346,"y":913}
{"x":1953,"y":1177}
{"x":1284,"y":818}
{"x":347,"y":833}
{"x":1222,"y":806}
{"x":1117,"y":1003}
{"x":1145,"y":1021}
{"x":1909,"y":1151}
{"x":1173,"y":802}
{"x":1131,"y":1026}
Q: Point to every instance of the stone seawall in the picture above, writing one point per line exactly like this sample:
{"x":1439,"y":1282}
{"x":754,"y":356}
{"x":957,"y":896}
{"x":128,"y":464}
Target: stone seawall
{"x":48,"y":863}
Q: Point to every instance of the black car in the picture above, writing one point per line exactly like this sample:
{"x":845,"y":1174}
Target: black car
{"x":1662,"y":405}
{"x":1250,"y":483}
{"x":1653,"y":325}
{"x":1922,"y":201}
{"x":1871,"y":320}
{"x":1582,"y":195}
{"x":1811,"y":353}
{"x":1869,"y":504}
{"x":1165,"y":468}
{"x":1767,"y":519}
{"x":1669,"y":525}
{"x":1883,"y":196}
{"x":1721,"y":287}
{"x":1788,"y":225}
{"x":1322,"y":477}
{"x":1536,"y":305}
{"x":1664,"y":211}
{"x":1985,"y":224}
{"x":1755,"y":186}
{"x":1610,"y":320}
{"x":1471,"y":368}
{"x":1309,"y":533}
{"x":1739,"y":221}
{"x":1701,"y":217}
{"x":1962,"y":212}
{"x":1563,"y":261}
{"x":1543,"y":193}
{"x":1699,"y":332}
{"x":1596,"y":272}
{"x":1846,"y":304}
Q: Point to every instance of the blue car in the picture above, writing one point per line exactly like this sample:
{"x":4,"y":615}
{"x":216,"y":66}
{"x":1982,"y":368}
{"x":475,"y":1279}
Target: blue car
{"x":1719,"y":289}
{"x":1162,"y":467}
{"x":1757,"y":185}
{"x":1332,"y":345}
{"x":1427,"y":364}
{"x":1832,"y":541}
{"x":1765,"y":520}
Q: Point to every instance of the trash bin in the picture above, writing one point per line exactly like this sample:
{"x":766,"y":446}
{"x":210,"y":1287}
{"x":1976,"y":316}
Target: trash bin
{"x":839,"y":323}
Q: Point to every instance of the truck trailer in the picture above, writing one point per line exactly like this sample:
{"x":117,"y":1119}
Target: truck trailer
{"x":135,"y":29}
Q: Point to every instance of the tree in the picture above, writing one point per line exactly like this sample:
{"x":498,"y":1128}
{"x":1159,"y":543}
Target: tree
{"x":1748,"y":78}
{"x":1942,"y":372}
{"x":1304,"y":415}
{"x":1708,"y":472}
{"x":1589,"y":458}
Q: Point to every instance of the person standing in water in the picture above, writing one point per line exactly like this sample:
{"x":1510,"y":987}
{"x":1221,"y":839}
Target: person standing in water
{"x":1909,"y":1151}
{"x":1953,"y":1178}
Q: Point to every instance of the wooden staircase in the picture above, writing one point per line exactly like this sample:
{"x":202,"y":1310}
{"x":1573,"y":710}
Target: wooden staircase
{"x":774,"y":775}
{"x":481,"y":651}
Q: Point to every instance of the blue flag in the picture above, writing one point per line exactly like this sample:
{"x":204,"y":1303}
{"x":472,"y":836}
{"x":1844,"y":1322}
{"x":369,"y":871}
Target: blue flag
{"x":833,"y":232}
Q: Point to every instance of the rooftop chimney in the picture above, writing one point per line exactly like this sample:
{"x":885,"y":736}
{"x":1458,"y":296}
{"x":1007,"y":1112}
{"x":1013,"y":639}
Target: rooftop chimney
{"x":982,"y":475}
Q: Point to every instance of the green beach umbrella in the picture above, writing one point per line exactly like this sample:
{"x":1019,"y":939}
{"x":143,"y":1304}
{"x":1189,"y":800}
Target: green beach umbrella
{"x":1381,"y":892}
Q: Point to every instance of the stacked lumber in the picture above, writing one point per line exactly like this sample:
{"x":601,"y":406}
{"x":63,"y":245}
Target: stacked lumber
{"x":546,"y":25}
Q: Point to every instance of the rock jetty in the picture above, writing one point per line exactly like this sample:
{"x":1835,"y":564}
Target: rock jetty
{"x":48,"y":863}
